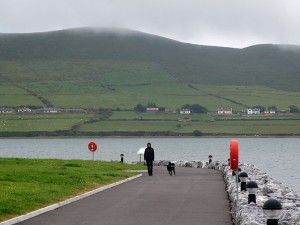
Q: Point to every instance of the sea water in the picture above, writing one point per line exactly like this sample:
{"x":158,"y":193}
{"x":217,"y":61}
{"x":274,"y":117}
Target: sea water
{"x":279,"y":157}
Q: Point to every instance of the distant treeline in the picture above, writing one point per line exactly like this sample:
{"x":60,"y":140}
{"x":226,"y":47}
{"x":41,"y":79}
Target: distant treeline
{"x":69,"y":133}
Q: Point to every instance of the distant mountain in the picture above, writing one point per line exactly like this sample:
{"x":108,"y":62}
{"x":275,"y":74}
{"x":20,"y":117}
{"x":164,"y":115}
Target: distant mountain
{"x":276,"y":66}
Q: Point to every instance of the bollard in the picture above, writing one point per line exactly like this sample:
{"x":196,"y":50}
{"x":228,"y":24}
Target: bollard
{"x":243,"y":177}
{"x":272,"y":208}
{"x":210,"y":159}
{"x":251,"y":187}
{"x":122,"y":160}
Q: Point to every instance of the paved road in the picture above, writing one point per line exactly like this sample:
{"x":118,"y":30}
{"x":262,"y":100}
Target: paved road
{"x":194,"y":196}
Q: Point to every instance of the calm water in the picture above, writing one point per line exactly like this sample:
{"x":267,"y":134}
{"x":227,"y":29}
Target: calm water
{"x":277,"y":156}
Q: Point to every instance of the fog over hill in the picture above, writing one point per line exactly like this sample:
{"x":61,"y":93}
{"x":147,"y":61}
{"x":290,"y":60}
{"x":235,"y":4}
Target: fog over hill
{"x":275,"y":66}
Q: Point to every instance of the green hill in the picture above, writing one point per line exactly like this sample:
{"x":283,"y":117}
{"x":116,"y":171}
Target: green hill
{"x":118,"y":68}
{"x":275,"y":66}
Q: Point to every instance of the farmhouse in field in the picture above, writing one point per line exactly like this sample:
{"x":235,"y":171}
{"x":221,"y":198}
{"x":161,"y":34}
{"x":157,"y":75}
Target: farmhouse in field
{"x":185,"y":111}
{"x":6,"y":110}
{"x":48,"y":110}
{"x":224,"y":111}
{"x":24,"y":110}
{"x":270,"y":111}
{"x":254,"y":111}
{"x":153,"y":110}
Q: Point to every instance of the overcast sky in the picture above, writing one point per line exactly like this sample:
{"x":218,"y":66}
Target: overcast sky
{"x":230,"y":23}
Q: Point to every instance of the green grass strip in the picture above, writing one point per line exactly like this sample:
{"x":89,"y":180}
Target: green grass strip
{"x":29,"y":184}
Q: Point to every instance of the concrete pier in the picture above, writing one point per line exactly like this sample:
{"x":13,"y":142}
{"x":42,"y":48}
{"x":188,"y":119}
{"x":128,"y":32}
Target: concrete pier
{"x":193,"y":196}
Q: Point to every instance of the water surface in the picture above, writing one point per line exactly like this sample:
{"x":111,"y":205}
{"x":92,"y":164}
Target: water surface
{"x":279,"y":157}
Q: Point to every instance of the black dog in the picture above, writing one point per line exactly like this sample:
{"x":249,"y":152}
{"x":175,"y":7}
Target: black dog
{"x":171,"y":168}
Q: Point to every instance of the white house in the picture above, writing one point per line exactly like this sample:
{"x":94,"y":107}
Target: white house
{"x":152,"y":109}
{"x":224,"y":111}
{"x":185,"y":111}
{"x":254,"y":111}
{"x":24,"y":110}
{"x":6,"y":110}
{"x":270,"y":111}
{"x":48,"y":110}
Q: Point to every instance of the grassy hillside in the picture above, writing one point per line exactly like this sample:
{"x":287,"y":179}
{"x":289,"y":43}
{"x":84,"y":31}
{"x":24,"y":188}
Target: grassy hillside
{"x":269,"y":65}
{"x":128,"y":123}
{"x":117,"y":69}
{"x":107,"y":84}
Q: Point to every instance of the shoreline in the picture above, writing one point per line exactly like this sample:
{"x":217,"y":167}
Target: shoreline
{"x":158,"y":137}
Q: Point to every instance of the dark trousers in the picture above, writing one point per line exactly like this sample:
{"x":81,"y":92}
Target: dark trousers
{"x":150,"y":167}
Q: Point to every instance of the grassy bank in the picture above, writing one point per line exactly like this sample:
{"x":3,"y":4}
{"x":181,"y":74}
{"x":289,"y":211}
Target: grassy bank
{"x":129,"y":123}
{"x":208,"y":124}
{"x":29,"y":184}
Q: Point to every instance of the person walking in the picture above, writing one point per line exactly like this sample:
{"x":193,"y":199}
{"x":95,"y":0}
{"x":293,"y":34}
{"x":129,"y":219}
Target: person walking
{"x":149,"y":157}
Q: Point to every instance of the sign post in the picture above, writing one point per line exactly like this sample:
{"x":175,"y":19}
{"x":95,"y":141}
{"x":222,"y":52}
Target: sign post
{"x":234,"y":165}
{"x":92,"y":147}
{"x":141,"y":152}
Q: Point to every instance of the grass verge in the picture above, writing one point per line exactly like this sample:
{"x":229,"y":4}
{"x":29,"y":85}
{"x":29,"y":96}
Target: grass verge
{"x":29,"y":184}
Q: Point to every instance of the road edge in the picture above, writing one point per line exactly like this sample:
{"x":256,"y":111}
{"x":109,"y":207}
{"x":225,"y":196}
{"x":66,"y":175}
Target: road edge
{"x":65,"y":202}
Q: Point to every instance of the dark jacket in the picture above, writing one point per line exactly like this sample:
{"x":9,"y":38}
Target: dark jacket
{"x":149,"y":154}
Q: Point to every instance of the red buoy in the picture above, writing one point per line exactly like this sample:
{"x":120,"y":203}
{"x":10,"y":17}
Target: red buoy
{"x":234,"y":154}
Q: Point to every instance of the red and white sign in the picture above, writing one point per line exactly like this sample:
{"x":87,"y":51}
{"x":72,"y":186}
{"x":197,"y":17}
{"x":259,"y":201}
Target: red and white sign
{"x":92,"y":146}
{"x":234,"y":154}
